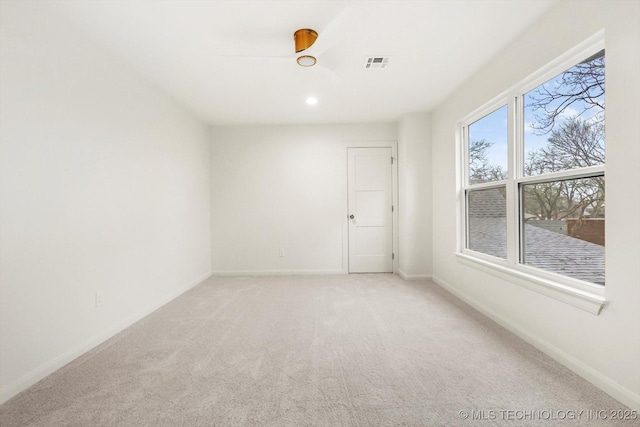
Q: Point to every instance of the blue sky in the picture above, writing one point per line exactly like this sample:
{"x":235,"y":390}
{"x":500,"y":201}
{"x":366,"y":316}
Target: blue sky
{"x":492,"y":128}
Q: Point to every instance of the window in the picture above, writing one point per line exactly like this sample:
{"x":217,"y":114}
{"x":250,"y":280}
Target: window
{"x":487,"y":149}
{"x":534,"y":180}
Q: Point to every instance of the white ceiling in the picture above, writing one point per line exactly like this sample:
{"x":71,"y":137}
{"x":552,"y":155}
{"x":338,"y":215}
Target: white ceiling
{"x":188,"y":47}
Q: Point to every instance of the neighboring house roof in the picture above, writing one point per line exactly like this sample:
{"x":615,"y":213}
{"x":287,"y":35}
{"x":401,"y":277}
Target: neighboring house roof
{"x":543,"y":248}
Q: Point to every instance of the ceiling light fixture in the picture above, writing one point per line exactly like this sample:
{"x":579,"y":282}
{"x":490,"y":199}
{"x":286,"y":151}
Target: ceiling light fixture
{"x":306,"y":61}
{"x":304,"y":39}
{"x":311,"y":100}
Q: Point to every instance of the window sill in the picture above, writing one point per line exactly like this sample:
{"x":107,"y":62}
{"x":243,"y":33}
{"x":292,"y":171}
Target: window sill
{"x":587,"y":301}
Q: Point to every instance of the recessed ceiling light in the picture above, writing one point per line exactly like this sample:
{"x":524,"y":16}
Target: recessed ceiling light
{"x":311,"y":100}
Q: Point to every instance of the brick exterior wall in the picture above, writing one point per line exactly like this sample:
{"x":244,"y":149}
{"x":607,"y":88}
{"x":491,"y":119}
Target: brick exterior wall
{"x":588,"y":229}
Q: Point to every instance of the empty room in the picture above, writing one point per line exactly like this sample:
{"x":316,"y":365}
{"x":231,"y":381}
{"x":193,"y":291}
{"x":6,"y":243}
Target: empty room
{"x":319,"y":213}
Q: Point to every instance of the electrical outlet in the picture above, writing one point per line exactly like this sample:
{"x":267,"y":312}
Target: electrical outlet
{"x":99,"y":298}
{"x":281,"y":252}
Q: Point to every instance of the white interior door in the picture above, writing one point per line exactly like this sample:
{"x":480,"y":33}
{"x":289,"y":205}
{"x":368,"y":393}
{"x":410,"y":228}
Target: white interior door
{"x":370,"y":210}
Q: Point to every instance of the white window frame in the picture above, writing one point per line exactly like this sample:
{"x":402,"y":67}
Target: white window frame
{"x":581,"y":294}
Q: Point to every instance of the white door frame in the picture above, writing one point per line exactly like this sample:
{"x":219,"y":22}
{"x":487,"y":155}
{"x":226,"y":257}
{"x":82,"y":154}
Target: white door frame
{"x":394,"y":189}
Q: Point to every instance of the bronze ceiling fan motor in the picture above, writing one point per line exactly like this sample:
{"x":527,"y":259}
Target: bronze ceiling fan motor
{"x":304,"y":38}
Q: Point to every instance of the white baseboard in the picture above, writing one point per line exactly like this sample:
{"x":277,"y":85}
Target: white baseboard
{"x":595,"y":377}
{"x":406,"y":276}
{"x":276,"y":272}
{"x":35,"y":375}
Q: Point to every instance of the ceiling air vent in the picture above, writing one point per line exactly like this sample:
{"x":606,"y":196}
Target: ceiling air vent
{"x":376,"y":62}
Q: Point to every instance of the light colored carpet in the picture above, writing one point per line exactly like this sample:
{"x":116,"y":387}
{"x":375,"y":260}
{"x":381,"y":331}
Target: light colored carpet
{"x":356,"y":350}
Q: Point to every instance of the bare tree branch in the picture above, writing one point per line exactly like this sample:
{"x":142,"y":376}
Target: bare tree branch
{"x":575,"y":143}
{"x":480,"y":167}
{"x":582,"y":86}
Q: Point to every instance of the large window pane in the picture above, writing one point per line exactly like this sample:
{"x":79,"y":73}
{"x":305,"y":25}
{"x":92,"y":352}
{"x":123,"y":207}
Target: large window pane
{"x":488,"y":148}
{"x":564,"y":120}
{"x":564,"y":227}
{"x":487,"y":221}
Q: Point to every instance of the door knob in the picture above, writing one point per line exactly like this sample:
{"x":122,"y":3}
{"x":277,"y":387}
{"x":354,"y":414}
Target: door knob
{"x":351,"y":216}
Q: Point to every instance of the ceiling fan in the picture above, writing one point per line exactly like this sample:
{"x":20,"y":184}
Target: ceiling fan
{"x":310,"y":44}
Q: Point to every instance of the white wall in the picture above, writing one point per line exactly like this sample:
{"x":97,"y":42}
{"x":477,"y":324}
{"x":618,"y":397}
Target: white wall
{"x":104,"y":186}
{"x":283,"y":187}
{"x":414,"y":170}
{"x":605,"y":349}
